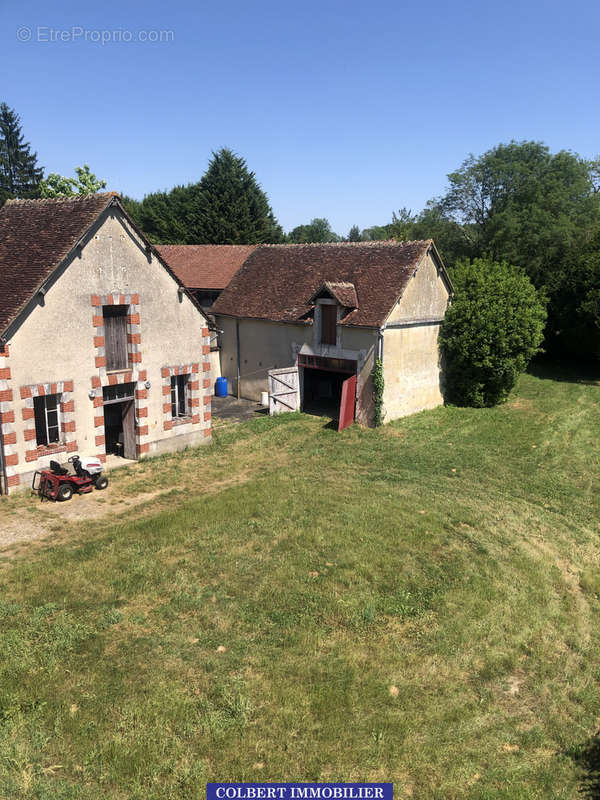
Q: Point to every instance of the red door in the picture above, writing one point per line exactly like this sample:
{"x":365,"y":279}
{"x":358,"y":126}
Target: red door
{"x":347,"y":403}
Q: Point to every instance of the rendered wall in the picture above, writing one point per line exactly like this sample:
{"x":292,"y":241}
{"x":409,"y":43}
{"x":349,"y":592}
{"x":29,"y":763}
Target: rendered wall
{"x":411,"y":362}
{"x":269,"y":345}
{"x":60,"y":342}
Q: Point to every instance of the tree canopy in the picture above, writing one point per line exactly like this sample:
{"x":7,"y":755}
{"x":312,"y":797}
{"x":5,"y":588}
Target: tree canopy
{"x":19,"y":173}
{"x":317,"y":231}
{"x":227,"y":206}
{"x":86,"y":182}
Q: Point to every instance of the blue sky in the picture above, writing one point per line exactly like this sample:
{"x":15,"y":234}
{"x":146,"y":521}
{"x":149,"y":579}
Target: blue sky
{"x":343,"y":109}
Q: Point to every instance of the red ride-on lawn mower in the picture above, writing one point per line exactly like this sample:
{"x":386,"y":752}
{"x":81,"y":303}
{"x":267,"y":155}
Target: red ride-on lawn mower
{"x":57,"y":483}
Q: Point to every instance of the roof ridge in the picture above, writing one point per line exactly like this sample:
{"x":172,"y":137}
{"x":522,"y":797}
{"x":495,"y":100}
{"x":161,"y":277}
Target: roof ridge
{"x":371,"y":243}
{"x":71,"y":199}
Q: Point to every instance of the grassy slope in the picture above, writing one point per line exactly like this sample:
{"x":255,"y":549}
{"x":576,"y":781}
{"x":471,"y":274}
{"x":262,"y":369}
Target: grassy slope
{"x":416,"y":603}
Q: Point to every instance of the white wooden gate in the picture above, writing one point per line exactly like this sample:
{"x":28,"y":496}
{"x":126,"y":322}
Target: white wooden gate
{"x":284,"y":390}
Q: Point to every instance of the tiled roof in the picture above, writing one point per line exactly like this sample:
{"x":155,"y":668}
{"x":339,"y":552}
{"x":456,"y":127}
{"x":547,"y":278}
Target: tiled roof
{"x":35,"y":236}
{"x":205,"y":266}
{"x":276,"y":281}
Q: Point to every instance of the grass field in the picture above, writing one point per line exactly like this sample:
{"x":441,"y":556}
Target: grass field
{"x":418,"y":603}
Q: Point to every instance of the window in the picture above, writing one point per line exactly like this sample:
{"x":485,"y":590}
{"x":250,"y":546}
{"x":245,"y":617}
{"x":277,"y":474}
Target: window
{"x":115,"y":336}
{"x":47,"y":421}
{"x":179,"y":406}
{"x":328,"y":323}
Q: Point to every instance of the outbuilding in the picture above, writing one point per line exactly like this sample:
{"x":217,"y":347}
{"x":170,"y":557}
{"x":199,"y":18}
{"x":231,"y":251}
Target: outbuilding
{"x":308,"y":323}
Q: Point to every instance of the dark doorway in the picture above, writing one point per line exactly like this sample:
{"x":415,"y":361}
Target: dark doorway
{"x":322,"y":392}
{"x":119,"y":420}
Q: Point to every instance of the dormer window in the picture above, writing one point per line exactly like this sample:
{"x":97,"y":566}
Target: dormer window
{"x":328,"y":323}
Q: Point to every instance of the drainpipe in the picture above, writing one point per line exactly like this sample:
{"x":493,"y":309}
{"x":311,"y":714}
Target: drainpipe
{"x":237,"y":336}
{"x":380,"y":345}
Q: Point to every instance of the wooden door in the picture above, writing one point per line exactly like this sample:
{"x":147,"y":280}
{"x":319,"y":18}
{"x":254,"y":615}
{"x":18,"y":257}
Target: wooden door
{"x":284,"y":390}
{"x":347,"y":403}
{"x":129,"y":450}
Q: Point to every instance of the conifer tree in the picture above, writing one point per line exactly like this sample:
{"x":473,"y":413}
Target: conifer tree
{"x":19,"y":174}
{"x":231,"y":208}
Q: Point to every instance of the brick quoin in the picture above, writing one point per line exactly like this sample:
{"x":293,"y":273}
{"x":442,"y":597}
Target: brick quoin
{"x":206,"y":366}
{"x":68,"y":427}
{"x":96,"y":382}
{"x":13,"y":480}
{"x":206,"y":416}
{"x":4,"y":351}
{"x":207,"y":399}
{"x":206,"y":383}
{"x":100,"y":361}
{"x":71,"y":447}
{"x":96,"y":301}
{"x":53,"y":388}
{"x":98,"y":401}
{"x":134,"y":358}
{"x":9,"y":416}
{"x":135,"y":299}
{"x":142,"y":430}
{"x":10,"y":438}
{"x":68,"y":386}
{"x":6,"y":396}
{"x":25,"y":392}
{"x":168,"y":424}
{"x":68,"y":408}
{"x":142,"y":412}
{"x":109,"y":300}
{"x":166,"y":408}
{"x":121,"y":299}
{"x":11,"y":460}
{"x":134,"y":338}
{"x":5,"y":374}
{"x":166,"y":390}
{"x":31,"y":455}
{"x":196,"y":367}
{"x":165,"y":372}
{"x":29,"y":434}
{"x":112,"y":380}
{"x":98,"y":341}
{"x":143,"y":448}
{"x":101,"y":457}
{"x":100,"y":441}
{"x":133,"y":319}
{"x":142,"y":375}
{"x":27,"y":413}
{"x":205,"y":332}
{"x":195,"y":419}
{"x":207,"y":432}
{"x":97,"y":322}
{"x":40,"y":390}
{"x":205,"y":349}
{"x":98,"y":421}
{"x":141,"y":394}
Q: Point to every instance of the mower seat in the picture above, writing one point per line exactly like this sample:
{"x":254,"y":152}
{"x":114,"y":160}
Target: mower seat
{"x":56,"y":469}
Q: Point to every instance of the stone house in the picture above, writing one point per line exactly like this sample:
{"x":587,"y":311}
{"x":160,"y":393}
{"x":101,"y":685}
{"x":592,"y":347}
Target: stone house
{"x":102,"y":348}
{"x":307,"y":323}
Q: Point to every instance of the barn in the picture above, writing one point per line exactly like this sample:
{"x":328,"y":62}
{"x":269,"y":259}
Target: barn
{"x":103,"y":351}
{"x":308,"y":323}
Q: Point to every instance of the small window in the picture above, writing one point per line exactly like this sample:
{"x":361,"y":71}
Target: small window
{"x":47,"y":419}
{"x":328,"y":323}
{"x":179,"y":405}
{"x":115,"y":336}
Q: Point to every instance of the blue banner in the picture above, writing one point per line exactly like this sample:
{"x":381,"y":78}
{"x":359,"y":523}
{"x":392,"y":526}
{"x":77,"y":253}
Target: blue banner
{"x":299,"y":791}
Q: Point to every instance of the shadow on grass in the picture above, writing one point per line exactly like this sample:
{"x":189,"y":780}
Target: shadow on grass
{"x":587,"y":758}
{"x":586,"y":372}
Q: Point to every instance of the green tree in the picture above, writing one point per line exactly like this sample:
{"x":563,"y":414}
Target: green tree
{"x":317,"y":231}
{"x":354,"y":234}
{"x":58,"y":186}
{"x":19,"y":173}
{"x":230,"y":206}
{"x":492,"y":329}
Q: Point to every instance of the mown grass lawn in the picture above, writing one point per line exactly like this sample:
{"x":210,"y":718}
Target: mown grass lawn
{"x":418,"y":603}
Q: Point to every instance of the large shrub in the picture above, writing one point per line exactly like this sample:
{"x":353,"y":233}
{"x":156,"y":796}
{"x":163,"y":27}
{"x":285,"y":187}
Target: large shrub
{"x":493,"y":327}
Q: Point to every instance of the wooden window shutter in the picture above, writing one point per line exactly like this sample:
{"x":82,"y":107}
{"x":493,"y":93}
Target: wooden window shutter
{"x":328,"y":323}
{"x":115,"y":336}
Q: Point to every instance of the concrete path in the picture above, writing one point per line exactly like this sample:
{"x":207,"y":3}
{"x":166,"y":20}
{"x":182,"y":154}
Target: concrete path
{"x":230,"y":409}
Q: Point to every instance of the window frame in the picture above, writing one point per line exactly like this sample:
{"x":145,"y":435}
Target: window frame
{"x":42,"y":418}
{"x":179,"y":395}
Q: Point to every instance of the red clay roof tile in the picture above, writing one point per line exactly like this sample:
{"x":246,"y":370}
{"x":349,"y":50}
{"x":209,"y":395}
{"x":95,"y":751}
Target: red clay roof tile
{"x":205,"y":266}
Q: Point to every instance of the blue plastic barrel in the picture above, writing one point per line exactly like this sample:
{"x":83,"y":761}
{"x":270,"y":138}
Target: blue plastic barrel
{"x":221,"y":387}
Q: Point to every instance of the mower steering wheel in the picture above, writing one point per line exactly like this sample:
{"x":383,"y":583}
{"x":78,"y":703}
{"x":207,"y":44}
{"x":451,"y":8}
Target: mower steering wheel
{"x":71,"y":459}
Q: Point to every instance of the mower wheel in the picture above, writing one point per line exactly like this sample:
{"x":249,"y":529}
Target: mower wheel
{"x":65,"y":492}
{"x":101,"y":482}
